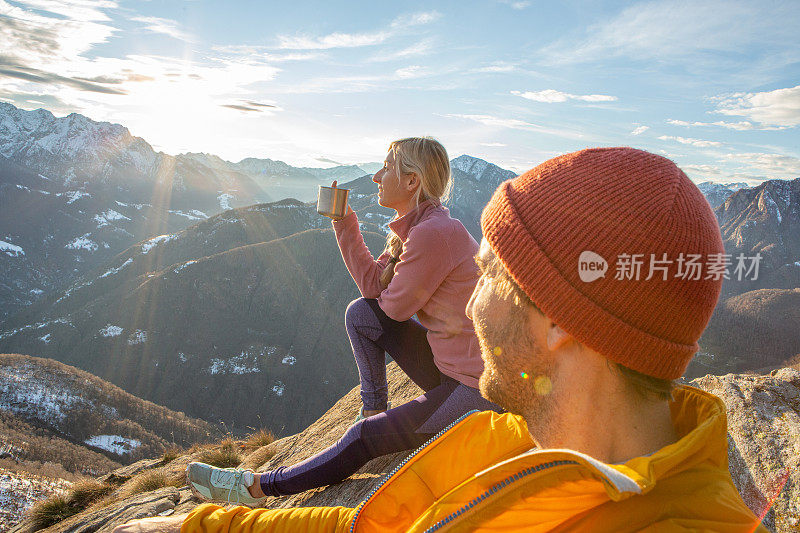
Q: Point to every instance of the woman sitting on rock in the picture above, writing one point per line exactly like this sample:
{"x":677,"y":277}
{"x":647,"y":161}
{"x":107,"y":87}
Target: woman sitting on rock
{"x":427,"y":269}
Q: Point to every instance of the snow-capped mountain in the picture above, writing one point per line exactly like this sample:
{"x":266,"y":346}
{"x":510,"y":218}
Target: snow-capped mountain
{"x":75,"y":192}
{"x":483,"y":172}
{"x":717,"y":193}
{"x":286,"y":181}
{"x":764,"y":220}
{"x":73,"y":148}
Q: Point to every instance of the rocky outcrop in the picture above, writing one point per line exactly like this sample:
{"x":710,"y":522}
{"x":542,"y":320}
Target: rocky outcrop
{"x":764,"y":441}
{"x":764,"y":425}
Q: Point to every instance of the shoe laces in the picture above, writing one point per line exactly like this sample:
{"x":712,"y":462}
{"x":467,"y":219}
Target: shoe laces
{"x":238,"y":475}
{"x":238,"y":479}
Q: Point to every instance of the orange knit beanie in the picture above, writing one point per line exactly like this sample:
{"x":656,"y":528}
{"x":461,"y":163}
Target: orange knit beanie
{"x":582,"y":232}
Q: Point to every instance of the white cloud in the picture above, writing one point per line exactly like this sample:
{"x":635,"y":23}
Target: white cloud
{"x":353,"y":40}
{"x":493,"y":145}
{"x":552,"y":96}
{"x":489,"y":120}
{"x":164,"y":26}
{"x":771,"y":165}
{"x":639,"y":130}
{"x":360,"y":83}
{"x":413,"y":71}
{"x":516,"y":4}
{"x":416,"y":19}
{"x":516,"y":124}
{"x":705,"y":170}
{"x":421,"y":48}
{"x":497,"y":66}
{"x":669,"y":29}
{"x":780,"y":107}
{"x":262,"y":53}
{"x":740,"y":126}
{"x":81,"y":10}
{"x":41,"y":34}
{"x":688,"y":140}
{"x":333,"y":40}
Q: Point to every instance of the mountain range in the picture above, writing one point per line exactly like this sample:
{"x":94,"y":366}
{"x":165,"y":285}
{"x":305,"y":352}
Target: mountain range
{"x":75,"y":192}
{"x":186,"y":288}
{"x":717,"y":193}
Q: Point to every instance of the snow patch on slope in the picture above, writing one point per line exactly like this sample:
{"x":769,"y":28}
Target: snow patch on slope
{"x":111,"y":331}
{"x":103,"y":218}
{"x":11,"y":250}
{"x":224,"y":201}
{"x":184,"y":265}
{"x":117,"y":269}
{"x":137,"y":337}
{"x":82,"y":243}
{"x":45,"y":401}
{"x":194,"y":214}
{"x":74,"y":195}
{"x":113,"y":443}
{"x":155,"y":241}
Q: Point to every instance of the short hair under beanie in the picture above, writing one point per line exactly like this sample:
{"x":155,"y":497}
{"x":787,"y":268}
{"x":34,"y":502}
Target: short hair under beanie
{"x":625,"y":206}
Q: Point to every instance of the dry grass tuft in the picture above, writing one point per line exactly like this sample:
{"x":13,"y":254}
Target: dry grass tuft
{"x":259,"y":438}
{"x":51,"y":511}
{"x":224,"y":455}
{"x":147,"y":481}
{"x":171,"y":453}
{"x":60,"y":506}
{"x":259,"y":457}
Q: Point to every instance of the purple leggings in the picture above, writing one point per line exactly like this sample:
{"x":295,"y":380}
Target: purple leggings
{"x":406,"y":427}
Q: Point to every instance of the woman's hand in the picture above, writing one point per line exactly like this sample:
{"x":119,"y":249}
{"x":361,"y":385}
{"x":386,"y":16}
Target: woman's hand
{"x":157,"y":524}
{"x":347,"y":209}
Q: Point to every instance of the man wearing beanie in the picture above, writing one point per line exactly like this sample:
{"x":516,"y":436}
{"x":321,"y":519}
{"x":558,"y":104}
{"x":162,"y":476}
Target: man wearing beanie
{"x":601,"y":268}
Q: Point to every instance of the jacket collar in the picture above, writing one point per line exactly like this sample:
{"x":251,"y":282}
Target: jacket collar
{"x":700,"y":421}
{"x":402,"y":225}
{"x":441,"y":474}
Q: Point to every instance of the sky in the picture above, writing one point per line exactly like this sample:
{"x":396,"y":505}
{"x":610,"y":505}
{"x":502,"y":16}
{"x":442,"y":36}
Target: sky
{"x":714,"y":86}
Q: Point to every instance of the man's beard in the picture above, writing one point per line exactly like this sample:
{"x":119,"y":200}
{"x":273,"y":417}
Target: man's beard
{"x":509,"y":376}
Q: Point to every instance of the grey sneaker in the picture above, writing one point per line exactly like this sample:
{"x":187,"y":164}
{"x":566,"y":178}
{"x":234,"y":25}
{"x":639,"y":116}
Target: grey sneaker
{"x":222,"y":484}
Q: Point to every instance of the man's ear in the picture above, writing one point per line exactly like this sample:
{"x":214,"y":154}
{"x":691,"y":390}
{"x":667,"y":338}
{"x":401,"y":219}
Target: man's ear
{"x":556,"y":337}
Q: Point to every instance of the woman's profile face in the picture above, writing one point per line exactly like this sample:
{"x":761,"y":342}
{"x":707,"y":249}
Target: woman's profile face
{"x":392,"y":189}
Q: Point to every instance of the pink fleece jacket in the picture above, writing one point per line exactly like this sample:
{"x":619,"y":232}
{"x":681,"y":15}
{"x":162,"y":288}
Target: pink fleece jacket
{"x":433,"y":279}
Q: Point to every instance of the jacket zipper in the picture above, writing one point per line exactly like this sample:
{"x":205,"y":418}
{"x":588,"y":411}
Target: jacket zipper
{"x":494,"y":489}
{"x":402,"y":463}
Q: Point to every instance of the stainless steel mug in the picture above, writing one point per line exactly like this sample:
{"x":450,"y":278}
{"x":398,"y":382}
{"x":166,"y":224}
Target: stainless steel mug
{"x":332,"y":201}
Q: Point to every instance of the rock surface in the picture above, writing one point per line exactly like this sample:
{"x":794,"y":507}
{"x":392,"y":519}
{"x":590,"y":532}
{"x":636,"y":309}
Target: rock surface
{"x":764,"y":451}
{"x":764,"y":441}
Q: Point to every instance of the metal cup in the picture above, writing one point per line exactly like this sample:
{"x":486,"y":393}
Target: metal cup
{"x":332,"y":201}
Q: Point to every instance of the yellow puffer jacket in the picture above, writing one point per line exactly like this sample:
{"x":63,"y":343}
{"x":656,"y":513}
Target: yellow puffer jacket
{"x":482,"y":475}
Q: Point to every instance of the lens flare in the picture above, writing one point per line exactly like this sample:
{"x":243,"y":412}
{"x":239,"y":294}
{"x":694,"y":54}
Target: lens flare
{"x":497,"y":350}
{"x":542,"y":385}
{"x":780,"y":483}
{"x":524,"y":375}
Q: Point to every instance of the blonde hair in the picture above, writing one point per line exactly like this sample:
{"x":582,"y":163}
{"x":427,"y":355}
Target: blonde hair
{"x":427,"y":158}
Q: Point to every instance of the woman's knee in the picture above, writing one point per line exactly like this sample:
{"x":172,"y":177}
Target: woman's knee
{"x":357,"y":311}
{"x":353,"y":434}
